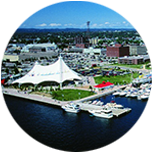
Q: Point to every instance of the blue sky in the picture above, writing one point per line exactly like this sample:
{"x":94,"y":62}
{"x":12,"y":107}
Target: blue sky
{"x":75,"y":14}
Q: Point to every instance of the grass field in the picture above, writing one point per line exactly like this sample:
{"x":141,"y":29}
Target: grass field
{"x":138,"y":66}
{"x":70,"y":94}
{"x":120,"y":79}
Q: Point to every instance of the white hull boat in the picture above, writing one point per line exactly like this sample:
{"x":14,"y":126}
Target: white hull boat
{"x":116,"y":93}
{"x":103,"y":113}
{"x":122,"y":93}
{"x":71,"y":108}
{"x":117,"y":106}
{"x":144,"y":97}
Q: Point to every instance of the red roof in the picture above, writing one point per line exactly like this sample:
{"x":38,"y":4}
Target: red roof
{"x":104,"y":84}
{"x":2,"y":81}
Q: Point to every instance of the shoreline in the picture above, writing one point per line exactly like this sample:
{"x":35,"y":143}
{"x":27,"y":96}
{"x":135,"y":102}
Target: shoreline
{"x":48,"y":100}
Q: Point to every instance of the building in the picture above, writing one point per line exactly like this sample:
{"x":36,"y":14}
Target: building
{"x":117,"y":51}
{"x":94,"y":41}
{"x":42,"y":47}
{"x":138,"y":50}
{"x":92,"y":51}
{"x":81,"y":42}
{"x":130,"y":60}
{"x":11,"y":57}
{"x":133,"y":59}
{"x":76,"y":50}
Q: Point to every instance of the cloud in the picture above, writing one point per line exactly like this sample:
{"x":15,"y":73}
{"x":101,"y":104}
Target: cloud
{"x":43,"y":24}
{"x":70,"y":24}
{"x":54,"y":24}
{"x":107,"y":23}
{"x":100,"y":24}
{"x":94,"y":25}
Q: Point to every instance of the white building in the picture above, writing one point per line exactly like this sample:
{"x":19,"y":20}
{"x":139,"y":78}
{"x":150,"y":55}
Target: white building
{"x":138,"y":50}
{"x":92,"y":51}
{"x":46,"y":47}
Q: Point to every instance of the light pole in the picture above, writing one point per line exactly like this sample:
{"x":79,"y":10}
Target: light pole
{"x":62,"y":96}
{"x":79,"y":95}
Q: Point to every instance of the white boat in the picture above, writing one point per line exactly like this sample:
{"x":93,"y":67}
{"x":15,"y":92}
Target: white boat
{"x":144,"y":96}
{"x":74,"y":108}
{"x":118,"y":106}
{"x":99,"y":103}
{"x":123,"y":93}
{"x":116,"y":93}
{"x":128,"y":94}
{"x":94,"y":102}
{"x":103,"y":113}
{"x":133,"y":95}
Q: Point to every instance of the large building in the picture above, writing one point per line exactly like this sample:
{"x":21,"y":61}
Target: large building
{"x":94,"y":41}
{"x":138,"y":50}
{"x":42,"y":47}
{"x":92,"y":51}
{"x":133,"y":59}
{"x":81,"y":42}
{"x":117,"y":51}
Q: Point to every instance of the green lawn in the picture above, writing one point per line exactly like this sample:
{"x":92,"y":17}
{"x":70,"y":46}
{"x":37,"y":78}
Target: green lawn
{"x":70,"y":94}
{"x":138,"y":66}
{"x":125,"y":79}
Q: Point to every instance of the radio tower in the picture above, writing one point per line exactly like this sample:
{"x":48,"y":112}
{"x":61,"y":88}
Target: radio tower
{"x":88,"y":30}
{"x":88,"y":33}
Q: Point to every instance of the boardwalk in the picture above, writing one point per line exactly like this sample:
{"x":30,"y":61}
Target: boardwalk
{"x":49,"y":100}
{"x":34,"y":97}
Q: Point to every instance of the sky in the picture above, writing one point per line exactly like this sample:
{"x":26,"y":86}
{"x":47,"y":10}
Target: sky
{"x":75,"y":14}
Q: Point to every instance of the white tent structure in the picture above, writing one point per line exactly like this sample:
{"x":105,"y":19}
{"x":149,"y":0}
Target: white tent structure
{"x":58,"y":72}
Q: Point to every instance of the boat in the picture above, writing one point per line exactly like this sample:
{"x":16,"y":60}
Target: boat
{"x":128,"y":94}
{"x":94,"y":102}
{"x":103,"y":113}
{"x":133,"y":95}
{"x":117,"y":106}
{"x":71,"y":107}
{"x":144,"y":97}
{"x":123,"y":93}
{"x":116,"y":93}
{"x":99,"y":103}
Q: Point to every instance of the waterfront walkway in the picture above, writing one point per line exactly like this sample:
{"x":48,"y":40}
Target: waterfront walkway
{"x":49,"y":100}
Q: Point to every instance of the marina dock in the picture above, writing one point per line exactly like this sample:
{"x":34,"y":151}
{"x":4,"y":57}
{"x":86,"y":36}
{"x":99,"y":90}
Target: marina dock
{"x":50,"y":101}
{"x":116,"y":112}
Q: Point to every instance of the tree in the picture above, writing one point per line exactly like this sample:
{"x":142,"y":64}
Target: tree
{"x":90,"y":87}
{"x":7,"y":70}
{"x":16,"y":71}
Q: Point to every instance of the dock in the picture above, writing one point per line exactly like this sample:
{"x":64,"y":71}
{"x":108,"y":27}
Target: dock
{"x":50,"y":101}
{"x":117,"y":112}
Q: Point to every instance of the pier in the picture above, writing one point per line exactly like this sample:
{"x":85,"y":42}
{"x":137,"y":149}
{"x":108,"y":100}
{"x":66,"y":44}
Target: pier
{"x":117,"y":112}
{"x":50,"y":101}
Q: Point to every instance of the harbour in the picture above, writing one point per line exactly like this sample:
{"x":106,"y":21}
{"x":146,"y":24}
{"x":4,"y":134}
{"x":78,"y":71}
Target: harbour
{"x":80,"y":102}
{"x":38,"y":119}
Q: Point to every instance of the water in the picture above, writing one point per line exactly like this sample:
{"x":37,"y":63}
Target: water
{"x":53,"y":127}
